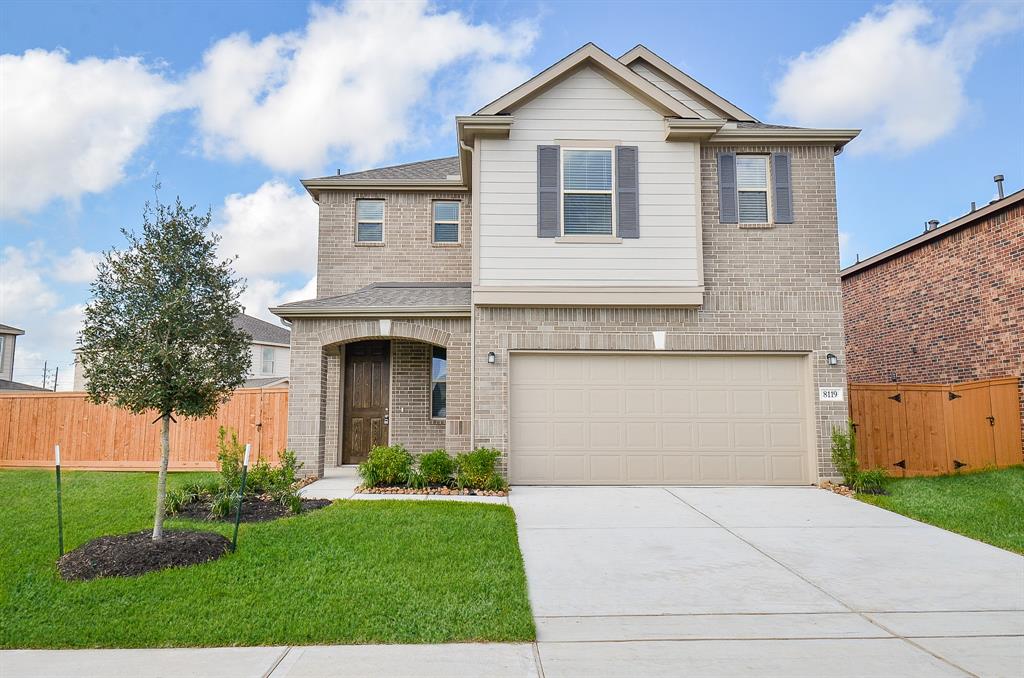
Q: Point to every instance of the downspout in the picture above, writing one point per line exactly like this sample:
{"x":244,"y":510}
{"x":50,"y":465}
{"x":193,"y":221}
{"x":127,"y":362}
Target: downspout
{"x":472,"y":308}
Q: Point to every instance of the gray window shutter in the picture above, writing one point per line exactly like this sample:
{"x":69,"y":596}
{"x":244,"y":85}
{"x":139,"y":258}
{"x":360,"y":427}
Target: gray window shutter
{"x":548,"y":197}
{"x":627,"y":191}
{"x":728,"y":210}
{"x":782,"y":185}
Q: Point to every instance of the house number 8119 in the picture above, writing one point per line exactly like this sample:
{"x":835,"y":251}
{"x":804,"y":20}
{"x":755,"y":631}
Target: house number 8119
{"x":830,"y":393}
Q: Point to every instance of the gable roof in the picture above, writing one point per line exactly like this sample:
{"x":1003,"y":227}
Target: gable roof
{"x":439,"y":169}
{"x":261,"y":331}
{"x":392,"y":298}
{"x":685,"y":82}
{"x":936,"y":233}
{"x":7,"y":329}
{"x":8,"y":385}
{"x":593,"y":56}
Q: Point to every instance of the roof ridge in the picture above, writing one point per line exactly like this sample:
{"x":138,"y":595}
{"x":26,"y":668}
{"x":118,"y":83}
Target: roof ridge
{"x":388,"y":167}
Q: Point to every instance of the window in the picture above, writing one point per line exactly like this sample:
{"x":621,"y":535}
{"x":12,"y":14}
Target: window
{"x":439,"y":383}
{"x":587,"y":192}
{"x":369,"y":221}
{"x":446,"y":221}
{"x":752,"y":186}
{"x":268,"y":360}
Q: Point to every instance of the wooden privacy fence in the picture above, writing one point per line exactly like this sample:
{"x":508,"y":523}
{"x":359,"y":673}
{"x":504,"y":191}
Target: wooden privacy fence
{"x":103,"y":437}
{"x":929,"y":429}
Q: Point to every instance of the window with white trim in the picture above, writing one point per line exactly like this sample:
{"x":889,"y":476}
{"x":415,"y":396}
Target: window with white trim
{"x":369,"y":221}
{"x":752,"y":188}
{"x":587,"y":191}
{"x":446,"y":221}
{"x":267,"y":366}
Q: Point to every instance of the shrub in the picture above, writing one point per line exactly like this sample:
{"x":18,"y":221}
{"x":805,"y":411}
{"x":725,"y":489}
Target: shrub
{"x":223,"y":503}
{"x":417,"y":480}
{"x":277,"y":481}
{"x":230,"y":454}
{"x":436,"y":467}
{"x":476,"y":469}
{"x":871,"y":481}
{"x":386,"y":465}
{"x":292,"y":501}
{"x":844,"y":455}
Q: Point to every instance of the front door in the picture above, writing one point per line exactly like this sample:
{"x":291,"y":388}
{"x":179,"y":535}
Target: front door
{"x":367,"y":399}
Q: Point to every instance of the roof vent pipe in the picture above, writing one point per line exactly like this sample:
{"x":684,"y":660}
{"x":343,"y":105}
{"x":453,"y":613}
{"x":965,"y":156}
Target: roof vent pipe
{"x":339,"y":171}
{"x":974,"y":206}
{"x":931,"y":225}
{"x":999,"y":184}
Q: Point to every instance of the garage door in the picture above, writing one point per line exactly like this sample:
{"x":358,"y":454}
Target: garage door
{"x":608,"y":419}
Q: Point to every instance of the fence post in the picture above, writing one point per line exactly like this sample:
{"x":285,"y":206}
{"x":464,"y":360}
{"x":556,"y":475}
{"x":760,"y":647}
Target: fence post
{"x":60,"y":515}
{"x":241,"y":497}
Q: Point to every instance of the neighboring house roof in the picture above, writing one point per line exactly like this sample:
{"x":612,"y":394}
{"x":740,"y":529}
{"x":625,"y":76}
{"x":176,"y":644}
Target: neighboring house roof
{"x":439,"y":169}
{"x":935,"y":234}
{"x":392,"y":298}
{"x":261,"y":331}
{"x":7,"y":329}
{"x":8,"y":385}
{"x":265,"y":382}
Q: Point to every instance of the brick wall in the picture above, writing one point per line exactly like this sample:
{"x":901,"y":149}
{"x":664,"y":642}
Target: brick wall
{"x":408,"y":253}
{"x":950,"y":310}
{"x":768,"y":289}
{"x":411,"y":423}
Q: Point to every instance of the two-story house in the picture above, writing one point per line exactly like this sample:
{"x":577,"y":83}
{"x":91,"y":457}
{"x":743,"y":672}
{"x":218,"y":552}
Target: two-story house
{"x":621,"y":278}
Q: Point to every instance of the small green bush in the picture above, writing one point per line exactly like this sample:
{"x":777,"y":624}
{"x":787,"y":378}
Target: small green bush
{"x":871,"y":481}
{"x":230,"y":454}
{"x":223,"y":504}
{"x":417,"y":480}
{"x":275,"y":480}
{"x":436,"y":467}
{"x":476,"y":470}
{"x":844,"y":455}
{"x":386,"y":465}
{"x":293,"y":502}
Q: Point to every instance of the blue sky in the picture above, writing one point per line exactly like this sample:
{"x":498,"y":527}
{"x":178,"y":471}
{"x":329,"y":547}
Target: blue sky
{"x":233,"y":103}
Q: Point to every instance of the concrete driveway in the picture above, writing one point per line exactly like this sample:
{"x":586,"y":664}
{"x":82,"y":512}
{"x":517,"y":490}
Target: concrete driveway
{"x":630,"y":581}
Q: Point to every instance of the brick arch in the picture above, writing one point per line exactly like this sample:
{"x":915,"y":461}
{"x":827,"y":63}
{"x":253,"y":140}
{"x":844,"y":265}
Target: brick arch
{"x":372,"y":329}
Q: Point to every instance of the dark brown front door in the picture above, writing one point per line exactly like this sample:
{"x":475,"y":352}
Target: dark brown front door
{"x":367,"y":399}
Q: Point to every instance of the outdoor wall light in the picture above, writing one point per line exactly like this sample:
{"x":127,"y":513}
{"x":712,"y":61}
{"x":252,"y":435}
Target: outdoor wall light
{"x":491,"y":358}
{"x":832,"y":360}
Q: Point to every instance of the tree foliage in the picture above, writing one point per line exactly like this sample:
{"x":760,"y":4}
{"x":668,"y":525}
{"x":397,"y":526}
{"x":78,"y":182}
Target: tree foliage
{"x":158,"y":332}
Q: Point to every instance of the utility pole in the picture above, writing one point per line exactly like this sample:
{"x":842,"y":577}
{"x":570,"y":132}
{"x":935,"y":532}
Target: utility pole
{"x":56,"y":373}
{"x":45,"y":373}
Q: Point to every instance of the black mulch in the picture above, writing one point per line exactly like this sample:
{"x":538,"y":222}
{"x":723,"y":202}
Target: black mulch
{"x":129,"y":555}
{"x":254,"y":510}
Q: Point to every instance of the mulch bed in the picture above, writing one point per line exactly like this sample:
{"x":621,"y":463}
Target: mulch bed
{"x":442,"y":490}
{"x":129,"y":555}
{"x":254,"y":510}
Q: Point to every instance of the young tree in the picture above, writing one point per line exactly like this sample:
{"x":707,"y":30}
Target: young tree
{"x":158,"y":333}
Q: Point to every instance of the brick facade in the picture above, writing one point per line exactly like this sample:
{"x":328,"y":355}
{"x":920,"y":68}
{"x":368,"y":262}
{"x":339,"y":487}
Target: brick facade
{"x":949,"y":310}
{"x":411,"y":423}
{"x":408,"y":253}
{"x":767,"y":289}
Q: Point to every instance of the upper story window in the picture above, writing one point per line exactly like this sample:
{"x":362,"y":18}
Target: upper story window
{"x":446,"y":221}
{"x":439,"y":383}
{"x":267,"y":366}
{"x":752,"y":188}
{"x":587,"y":192}
{"x":370,"y":221}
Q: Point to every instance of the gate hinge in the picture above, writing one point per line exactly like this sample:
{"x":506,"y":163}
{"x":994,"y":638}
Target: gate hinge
{"x":954,"y":396}
{"x":902,"y":463}
{"x":957,"y":464}
{"x":991,"y":421}
{"x":898,"y":398}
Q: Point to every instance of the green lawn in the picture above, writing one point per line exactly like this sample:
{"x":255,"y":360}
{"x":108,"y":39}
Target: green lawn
{"x":988,"y":505}
{"x":355,"y":572}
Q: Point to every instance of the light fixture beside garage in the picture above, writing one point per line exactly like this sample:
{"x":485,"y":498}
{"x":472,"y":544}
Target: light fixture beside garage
{"x":832,"y":360}
{"x":491,"y":358}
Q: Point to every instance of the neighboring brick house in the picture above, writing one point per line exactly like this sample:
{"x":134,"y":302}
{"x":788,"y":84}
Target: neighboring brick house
{"x":270,"y":348}
{"x":943,"y":307}
{"x":622,"y":278}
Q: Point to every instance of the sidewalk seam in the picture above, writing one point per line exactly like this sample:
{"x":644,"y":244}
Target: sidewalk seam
{"x":277,"y":662}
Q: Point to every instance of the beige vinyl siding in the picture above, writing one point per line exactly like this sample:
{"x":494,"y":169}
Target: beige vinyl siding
{"x":7,"y":357}
{"x":587,"y":106}
{"x":280,"y":361}
{"x":703,"y":108}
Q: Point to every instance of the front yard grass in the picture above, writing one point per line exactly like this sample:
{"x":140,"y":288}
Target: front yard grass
{"x":987,"y":505}
{"x":354,"y":572}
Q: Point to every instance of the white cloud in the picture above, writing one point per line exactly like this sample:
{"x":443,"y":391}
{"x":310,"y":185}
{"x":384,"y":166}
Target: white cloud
{"x":901,"y":83}
{"x":69,"y":128}
{"x":263,"y":293}
{"x":272,"y":230}
{"x":23,"y":292}
{"x":77,"y":266}
{"x":355,"y":82}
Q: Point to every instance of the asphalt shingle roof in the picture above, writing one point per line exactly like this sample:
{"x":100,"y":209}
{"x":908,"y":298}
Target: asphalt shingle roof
{"x":8,"y":385}
{"x":261,"y":331}
{"x":394,"y":295}
{"x":425,"y":170}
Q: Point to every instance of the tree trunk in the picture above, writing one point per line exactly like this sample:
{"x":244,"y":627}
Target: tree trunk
{"x":161,"y":483}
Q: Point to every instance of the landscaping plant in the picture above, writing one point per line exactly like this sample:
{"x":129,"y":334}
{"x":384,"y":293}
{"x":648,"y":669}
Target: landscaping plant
{"x":386,"y":465}
{"x":436,"y":467}
{"x":844,"y":455}
{"x":158,"y":333}
{"x":871,"y":481}
{"x":477,"y":469}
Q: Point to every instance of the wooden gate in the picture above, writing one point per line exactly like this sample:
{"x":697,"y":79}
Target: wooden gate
{"x":104,"y":437}
{"x":929,"y":429}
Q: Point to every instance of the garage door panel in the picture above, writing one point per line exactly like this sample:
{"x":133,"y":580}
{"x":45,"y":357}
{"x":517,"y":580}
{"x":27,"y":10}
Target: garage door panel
{"x":615,"y":418}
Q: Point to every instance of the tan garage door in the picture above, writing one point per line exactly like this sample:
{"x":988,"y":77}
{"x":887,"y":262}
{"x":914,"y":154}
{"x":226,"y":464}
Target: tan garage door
{"x":608,"y":419}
